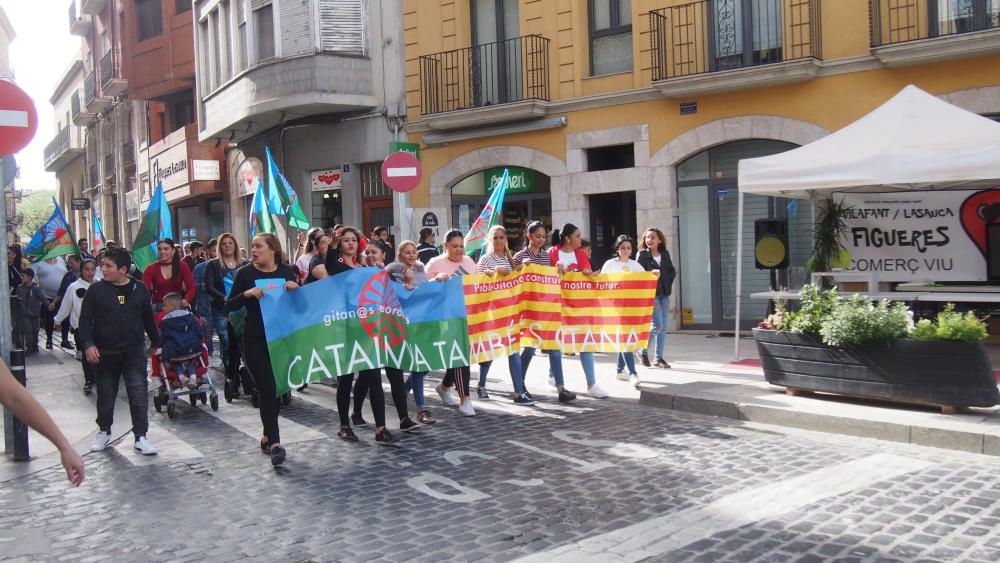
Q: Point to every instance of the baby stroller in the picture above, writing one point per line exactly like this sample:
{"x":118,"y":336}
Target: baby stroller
{"x":170,"y":386}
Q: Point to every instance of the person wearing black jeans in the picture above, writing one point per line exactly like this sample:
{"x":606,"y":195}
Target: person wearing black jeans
{"x":114,"y":314}
{"x":265,"y":264}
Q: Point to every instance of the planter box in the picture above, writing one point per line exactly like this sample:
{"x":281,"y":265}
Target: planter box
{"x":947,"y":374}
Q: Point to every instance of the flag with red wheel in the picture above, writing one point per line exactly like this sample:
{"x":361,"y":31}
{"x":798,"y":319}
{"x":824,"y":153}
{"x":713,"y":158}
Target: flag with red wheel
{"x":54,"y":238}
{"x":475,"y":239}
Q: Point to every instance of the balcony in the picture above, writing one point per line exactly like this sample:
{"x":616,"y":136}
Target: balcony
{"x":94,"y":176}
{"x":265,"y":95}
{"x":490,"y":83}
{"x":113,"y":83}
{"x":710,"y":46}
{"x":109,"y":166}
{"x":80,"y":117}
{"x":92,"y":7}
{"x":60,"y":151}
{"x":907,"y":32}
{"x":91,"y":101}
{"x":128,"y":154}
{"x":79,"y":25}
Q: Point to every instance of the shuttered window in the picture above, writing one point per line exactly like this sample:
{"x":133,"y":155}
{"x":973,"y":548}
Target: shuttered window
{"x":240,"y":56}
{"x":226,"y":35}
{"x":213,"y":26}
{"x":264,"y":27}
{"x":343,"y":26}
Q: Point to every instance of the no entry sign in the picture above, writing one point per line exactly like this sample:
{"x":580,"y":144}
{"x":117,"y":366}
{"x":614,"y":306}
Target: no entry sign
{"x":401,"y":171}
{"x":18,"y":118}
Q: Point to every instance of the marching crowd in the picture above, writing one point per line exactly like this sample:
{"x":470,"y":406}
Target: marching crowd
{"x":119,"y":317}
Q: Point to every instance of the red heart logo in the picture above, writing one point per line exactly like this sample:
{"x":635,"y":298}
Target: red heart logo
{"x":977,"y":211}
{"x":329,"y":178}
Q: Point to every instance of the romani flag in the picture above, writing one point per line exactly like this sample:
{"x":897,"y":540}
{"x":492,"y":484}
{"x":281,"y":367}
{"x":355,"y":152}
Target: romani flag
{"x":260,"y":214}
{"x":98,"y":232}
{"x":283,"y":200}
{"x":156,"y":224}
{"x":53,"y":238}
{"x":475,"y":240}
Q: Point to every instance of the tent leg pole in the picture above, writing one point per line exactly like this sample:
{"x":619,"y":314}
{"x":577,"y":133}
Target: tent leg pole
{"x":739,"y":273}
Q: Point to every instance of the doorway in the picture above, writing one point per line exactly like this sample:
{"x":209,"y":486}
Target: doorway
{"x":611,"y":215}
{"x":496,"y":55}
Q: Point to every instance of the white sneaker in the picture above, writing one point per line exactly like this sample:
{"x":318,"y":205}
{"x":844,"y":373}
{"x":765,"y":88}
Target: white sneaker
{"x":622,"y":376}
{"x":446,"y":397}
{"x":596,"y":392}
{"x":144,"y":446}
{"x":466,"y":408}
{"x":634,"y":380}
{"x":101,"y":441}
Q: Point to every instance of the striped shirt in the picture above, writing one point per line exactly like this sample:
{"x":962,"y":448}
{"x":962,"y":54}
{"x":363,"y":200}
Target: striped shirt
{"x":525,"y":256}
{"x":490,"y":262}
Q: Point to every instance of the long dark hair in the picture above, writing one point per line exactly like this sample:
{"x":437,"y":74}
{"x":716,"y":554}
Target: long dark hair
{"x":663,"y":240}
{"x":560,"y":235}
{"x":176,"y":264}
{"x":357,"y":234}
{"x":452,"y":234}
{"x":18,"y":262}
{"x":531,"y":228}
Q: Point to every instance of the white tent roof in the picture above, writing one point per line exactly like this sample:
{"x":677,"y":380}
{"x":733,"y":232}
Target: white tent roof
{"x":914,"y":141}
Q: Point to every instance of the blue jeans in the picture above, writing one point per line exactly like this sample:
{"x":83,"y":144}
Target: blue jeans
{"x":514,"y":363}
{"x":219,"y":321}
{"x":416,"y":382}
{"x":626,"y":359}
{"x":658,"y":334}
{"x":555,"y":364}
{"x":587,"y":361}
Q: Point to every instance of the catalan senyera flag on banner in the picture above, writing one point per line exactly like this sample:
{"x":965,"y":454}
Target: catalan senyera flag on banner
{"x":606,"y":312}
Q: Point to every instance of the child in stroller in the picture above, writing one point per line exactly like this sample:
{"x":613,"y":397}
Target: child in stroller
{"x":184,"y":354}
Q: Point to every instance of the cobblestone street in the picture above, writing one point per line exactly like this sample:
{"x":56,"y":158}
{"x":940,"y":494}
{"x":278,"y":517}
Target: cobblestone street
{"x":601,"y":480}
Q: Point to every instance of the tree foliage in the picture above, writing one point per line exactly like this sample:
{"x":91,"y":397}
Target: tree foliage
{"x":35,"y":209}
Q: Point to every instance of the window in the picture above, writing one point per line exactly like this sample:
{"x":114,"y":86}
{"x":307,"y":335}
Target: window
{"x":241,"y":36}
{"x":610,"y":158}
{"x":610,"y":36}
{"x":372,"y":185}
{"x":150,"y":18}
{"x":183,"y":6}
{"x":263,"y":21}
{"x":183,"y":113}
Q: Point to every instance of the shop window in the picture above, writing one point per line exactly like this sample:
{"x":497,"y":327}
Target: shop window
{"x":150,"y":16}
{"x":610,"y":36}
{"x":264,"y":26}
{"x":611,"y":157}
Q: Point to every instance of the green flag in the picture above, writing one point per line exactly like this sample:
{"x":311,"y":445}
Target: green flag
{"x":260,"y":215}
{"x":156,"y":224}
{"x":287,"y":200}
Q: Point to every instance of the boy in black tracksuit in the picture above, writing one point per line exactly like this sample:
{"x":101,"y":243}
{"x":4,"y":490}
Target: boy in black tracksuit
{"x":115,"y":313}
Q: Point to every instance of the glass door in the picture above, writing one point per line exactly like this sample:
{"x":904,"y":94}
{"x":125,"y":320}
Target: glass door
{"x":496,"y":53}
{"x":747,"y":33}
{"x":963,"y":16}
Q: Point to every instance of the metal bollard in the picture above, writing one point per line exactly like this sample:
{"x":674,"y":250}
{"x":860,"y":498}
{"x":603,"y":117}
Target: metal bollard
{"x":20,"y":428}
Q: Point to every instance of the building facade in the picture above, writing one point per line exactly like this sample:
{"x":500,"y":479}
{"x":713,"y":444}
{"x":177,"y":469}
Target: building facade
{"x":617,"y":116}
{"x":65,"y":153}
{"x":319,"y":83}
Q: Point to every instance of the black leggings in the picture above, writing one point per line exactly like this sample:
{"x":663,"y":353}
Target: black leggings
{"x":369,"y":380}
{"x":461,"y":383}
{"x":258,"y":361}
{"x":399,"y":392}
{"x":88,"y":368}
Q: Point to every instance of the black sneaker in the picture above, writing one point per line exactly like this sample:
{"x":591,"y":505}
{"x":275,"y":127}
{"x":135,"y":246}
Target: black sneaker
{"x":385,"y":437}
{"x":88,"y":388}
{"x":277,"y":455}
{"x":566,"y":396}
{"x":661,"y":364}
{"x":358,"y":420}
{"x":644,"y":357}
{"x":406,"y":424}
{"x":528,"y":395}
{"x":524,"y":399}
{"x":48,"y":345}
{"x":483,"y":395}
{"x":347,"y":434}
{"x":66,"y":344}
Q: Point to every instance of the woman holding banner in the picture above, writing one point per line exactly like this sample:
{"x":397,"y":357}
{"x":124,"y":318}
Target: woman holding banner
{"x":623,"y":263}
{"x":654,"y":257}
{"x":454,"y":262}
{"x":344,"y":258}
{"x":266,"y":264}
{"x":499,"y":261}
{"x":536,"y":234}
{"x":566,"y":253}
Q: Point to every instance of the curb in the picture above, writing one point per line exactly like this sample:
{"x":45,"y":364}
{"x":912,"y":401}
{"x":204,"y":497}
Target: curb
{"x":973,"y":442}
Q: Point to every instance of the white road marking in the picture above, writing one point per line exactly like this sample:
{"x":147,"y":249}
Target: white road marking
{"x":169,"y":447}
{"x":246,"y":419}
{"x":13,"y":118}
{"x":516,"y":410}
{"x":673,"y":531}
{"x":581,"y":465}
{"x":454,"y":457}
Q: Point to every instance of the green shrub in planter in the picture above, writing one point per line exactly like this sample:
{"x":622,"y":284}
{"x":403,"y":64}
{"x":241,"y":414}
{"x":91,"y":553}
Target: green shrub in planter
{"x":856,"y":320}
{"x":950,"y":325}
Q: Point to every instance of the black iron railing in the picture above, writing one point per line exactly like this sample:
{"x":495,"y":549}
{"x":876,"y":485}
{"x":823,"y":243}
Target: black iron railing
{"x":74,"y":105}
{"x":110,"y":67}
{"x":89,"y":88}
{"x":485,"y":75}
{"x":716,"y":35}
{"x":899,"y":21}
{"x":57,"y":146}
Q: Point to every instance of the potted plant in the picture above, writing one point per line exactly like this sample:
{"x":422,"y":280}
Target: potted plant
{"x":828,"y":233}
{"x":853,"y":347}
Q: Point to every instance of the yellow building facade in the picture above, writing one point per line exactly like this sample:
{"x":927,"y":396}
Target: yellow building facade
{"x":619,"y":115}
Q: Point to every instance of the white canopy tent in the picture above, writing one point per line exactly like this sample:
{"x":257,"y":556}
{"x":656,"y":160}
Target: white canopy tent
{"x":914,"y":141}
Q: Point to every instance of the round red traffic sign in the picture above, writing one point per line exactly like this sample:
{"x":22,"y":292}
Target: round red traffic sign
{"x":401,"y":171}
{"x":18,"y":118}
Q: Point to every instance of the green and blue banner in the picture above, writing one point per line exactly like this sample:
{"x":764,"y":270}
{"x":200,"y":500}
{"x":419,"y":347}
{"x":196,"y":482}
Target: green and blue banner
{"x":362,"y":320}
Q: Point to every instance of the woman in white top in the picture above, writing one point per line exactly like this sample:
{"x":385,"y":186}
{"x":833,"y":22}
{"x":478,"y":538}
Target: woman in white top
{"x":623,"y":263}
{"x":498,"y":261}
{"x":71,"y":306}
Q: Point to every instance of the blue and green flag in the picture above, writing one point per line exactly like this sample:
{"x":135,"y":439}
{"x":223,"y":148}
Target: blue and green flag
{"x":282,"y":199}
{"x":156,"y":224}
{"x":475,"y":239}
{"x":53,"y":238}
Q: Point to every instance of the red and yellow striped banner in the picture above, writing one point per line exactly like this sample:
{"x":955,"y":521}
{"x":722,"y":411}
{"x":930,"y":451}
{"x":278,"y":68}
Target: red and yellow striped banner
{"x":536,"y":307}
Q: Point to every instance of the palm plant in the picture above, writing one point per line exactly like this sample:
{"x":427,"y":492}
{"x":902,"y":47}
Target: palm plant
{"x":828,"y":234}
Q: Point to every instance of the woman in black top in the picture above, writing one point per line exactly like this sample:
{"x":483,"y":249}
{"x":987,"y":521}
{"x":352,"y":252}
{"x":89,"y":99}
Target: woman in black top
{"x":266,"y":264}
{"x":344,"y":258}
{"x":317,"y":265}
{"x":653,"y":256}
{"x":426,"y":249}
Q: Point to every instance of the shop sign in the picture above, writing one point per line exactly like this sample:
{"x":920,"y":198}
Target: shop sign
{"x":522,"y":180}
{"x":920,"y":236}
{"x":251,"y":170}
{"x":402,"y":146}
{"x":329,"y":179}
{"x":205,"y":170}
{"x":132,"y":205}
{"x":79,"y":203}
{"x":170,"y":167}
